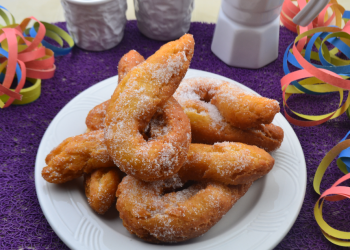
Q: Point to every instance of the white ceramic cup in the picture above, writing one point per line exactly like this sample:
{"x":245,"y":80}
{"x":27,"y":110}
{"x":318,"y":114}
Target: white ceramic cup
{"x":163,"y":20}
{"x":95,"y":25}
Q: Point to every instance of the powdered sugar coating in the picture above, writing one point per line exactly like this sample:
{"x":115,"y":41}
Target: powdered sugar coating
{"x":244,"y":109}
{"x":77,"y":155}
{"x":136,"y":100}
{"x":100,"y":188}
{"x":208,"y":125}
{"x":227,"y":162}
{"x":197,"y":90}
{"x":225,"y":101}
{"x":156,"y":216}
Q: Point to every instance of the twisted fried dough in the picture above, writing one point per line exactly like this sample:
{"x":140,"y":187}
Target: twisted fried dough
{"x":100,"y":188}
{"x":76,"y":155}
{"x":138,"y":96}
{"x":155,"y":215}
{"x":206,"y":130}
{"x":209,"y":126}
{"x":228,"y":162}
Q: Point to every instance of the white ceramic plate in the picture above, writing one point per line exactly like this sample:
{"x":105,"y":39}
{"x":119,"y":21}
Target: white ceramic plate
{"x":259,"y":220}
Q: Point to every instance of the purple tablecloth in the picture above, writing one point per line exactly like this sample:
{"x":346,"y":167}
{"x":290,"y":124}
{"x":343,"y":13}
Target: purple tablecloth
{"x":22,"y":223}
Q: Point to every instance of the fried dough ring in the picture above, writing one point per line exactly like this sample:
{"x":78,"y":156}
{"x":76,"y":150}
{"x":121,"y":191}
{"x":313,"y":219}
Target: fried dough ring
{"x":100,"y":188}
{"x":228,"y":162}
{"x":96,"y":116}
{"x":76,"y":155}
{"x":240,"y":108}
{"x":209,"y":126}
{"x":136,"y":99}
{"x":177,"y":216}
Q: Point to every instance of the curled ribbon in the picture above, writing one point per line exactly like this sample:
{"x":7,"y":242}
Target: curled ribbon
{"x":317,"y":79}
{"x":25,"y":55}
{"x":343,"y":160}
{"x":333,"y":194}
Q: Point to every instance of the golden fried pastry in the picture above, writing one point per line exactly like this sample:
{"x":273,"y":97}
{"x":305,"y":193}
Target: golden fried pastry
{"x":96,"y":116}
{"x":228,"y":162}
{"x":209,"y":126}
{"x":243,"y":109}
{"x":240,"y":108}
{"x":127,"y":62}
{"x":76,"y":155}
{"x":160,"y":212}
{"x":145,"y":89}
{"x":206,"y":130}
{"x":100,"y":188}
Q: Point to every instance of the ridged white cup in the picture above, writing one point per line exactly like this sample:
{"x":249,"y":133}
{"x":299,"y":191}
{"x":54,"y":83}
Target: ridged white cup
{"x":95,"y":25}
{"x":163,"y":20}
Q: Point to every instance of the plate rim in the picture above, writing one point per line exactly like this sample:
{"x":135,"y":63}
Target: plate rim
{"x":47,"y":212}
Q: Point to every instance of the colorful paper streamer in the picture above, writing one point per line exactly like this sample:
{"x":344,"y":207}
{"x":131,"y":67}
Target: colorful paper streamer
{"x":25,"y":55}
{"x":343,"y":160}
{"x":333,"y":194}
{"x":333,"y":72}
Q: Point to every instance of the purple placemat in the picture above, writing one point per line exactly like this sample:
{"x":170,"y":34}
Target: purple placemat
{"x":22,"y":223}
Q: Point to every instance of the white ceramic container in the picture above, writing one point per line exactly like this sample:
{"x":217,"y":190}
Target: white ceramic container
{"x":95,"y":25}
{"x":247,"y":32}
{"x":163,"y":20}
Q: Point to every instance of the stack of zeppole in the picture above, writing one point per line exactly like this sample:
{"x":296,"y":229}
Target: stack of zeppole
{"x":176,"y":154}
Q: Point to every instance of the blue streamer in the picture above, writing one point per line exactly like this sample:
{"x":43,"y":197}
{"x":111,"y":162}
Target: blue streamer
{"x":344,"y":156}
{"x":18,"y":69}
{"x":289,"y":57}
{"x":2,"y":7}
{"x":57,"y":51}
{"x":346,"y":14}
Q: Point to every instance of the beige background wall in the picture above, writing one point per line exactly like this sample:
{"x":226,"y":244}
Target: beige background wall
{"x":51,"y":10}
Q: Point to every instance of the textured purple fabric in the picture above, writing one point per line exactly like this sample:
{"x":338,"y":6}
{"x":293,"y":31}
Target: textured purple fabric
{"x":22,"y":223}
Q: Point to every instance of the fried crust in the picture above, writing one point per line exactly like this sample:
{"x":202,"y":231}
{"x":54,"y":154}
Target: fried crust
{"x":127,"y":62}
{"x":243,"y":109}
{"x":158,"y":217}
{"x":205,"y":130}
{"x":76,"y":155}
{"x":209,"y":126}
{"x":228,"y":163}
{"x":100,"y":188}
{"x":96,"y":116}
